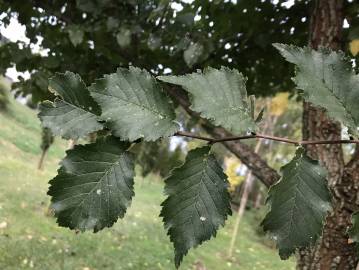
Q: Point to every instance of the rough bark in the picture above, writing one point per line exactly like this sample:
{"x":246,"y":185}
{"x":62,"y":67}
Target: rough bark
{"x":247,"y":186}
{"x":332,"y":250}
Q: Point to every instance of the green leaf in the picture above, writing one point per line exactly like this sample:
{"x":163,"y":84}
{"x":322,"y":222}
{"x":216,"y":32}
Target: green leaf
{"x":154,"y":42}
{"x":353,"y":33}
{"x":260,"y":116}
{"x":51,"y":62}
{"x":183,"y":44}
{"x":354,"y":230}
{"x":134,"y":105}
{"x":193,"y":54}
{"x":76,"y":34}
{"x":198,"y":202}
{"x":186,"y":18}
{"x":328,"y":81}
{"x":159,"y":11}
{"x":298,"y":203}
{"x":219,"y":95}
{"x":86,"y":5}
{"x":112,"y":23}
{"x":94,"y":185}
{"x":73,"y":116}
{"x":124,"y":37}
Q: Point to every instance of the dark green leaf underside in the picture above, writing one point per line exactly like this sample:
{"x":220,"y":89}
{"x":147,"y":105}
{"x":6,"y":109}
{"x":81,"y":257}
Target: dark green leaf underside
{"x":298,"y":203}
{"x":198,"y":202}
{"x":94,"y":185}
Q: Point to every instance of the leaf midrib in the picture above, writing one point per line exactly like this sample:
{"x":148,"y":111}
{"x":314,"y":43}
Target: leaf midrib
{"x":96,"y":186}
{"x":297,"y":191}
{"x":324,"y":83}
{"x":200,"y":183}
{"x":154,"y":112}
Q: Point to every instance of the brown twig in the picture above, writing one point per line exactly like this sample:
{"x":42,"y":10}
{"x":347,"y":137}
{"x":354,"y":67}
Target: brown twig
{"x":262,"y":136}
{"x":194,"y":136}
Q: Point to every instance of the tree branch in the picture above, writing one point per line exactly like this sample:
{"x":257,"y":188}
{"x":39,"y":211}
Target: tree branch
{"x":246,"y":154}
{"x":263,"y":136}
{"x":267,"y":175}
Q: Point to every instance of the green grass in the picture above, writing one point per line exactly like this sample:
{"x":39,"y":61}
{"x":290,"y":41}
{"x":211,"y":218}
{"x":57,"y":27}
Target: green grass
{"x":32,"y":240}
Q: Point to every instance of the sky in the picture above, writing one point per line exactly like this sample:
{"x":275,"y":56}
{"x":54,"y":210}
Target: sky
{"x":14,"y":32}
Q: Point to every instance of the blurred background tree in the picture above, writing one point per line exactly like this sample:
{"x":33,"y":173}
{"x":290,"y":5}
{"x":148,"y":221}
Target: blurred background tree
{"x":5,"y":87}
{"x":157,"y":157}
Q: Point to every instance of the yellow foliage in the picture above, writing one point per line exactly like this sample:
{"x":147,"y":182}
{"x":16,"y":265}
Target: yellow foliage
{"x":354,"y":47}
{"x":232,"y":165}
{"x":193,"y":144}
{"x":279,"y":104}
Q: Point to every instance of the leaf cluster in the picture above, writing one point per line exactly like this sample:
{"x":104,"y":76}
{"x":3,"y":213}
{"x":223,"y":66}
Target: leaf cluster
{"x":94,"y":185}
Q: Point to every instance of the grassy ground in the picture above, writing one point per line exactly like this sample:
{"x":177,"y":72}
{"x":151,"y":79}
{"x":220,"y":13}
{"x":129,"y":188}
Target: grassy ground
{"x":30,"y":238}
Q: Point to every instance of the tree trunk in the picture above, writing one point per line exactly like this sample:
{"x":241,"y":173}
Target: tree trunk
{"x":258,"y":201}
{"x":247,"y":186}
{"x":42,"y":158}
{"x":242,"y":207}
{"x":333,"y":250}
